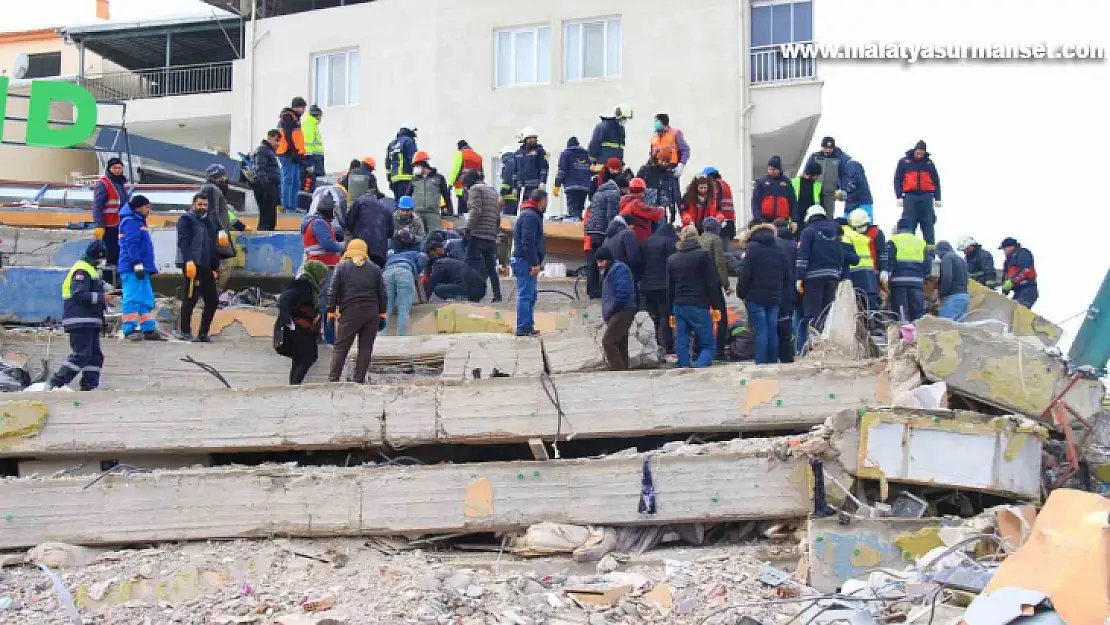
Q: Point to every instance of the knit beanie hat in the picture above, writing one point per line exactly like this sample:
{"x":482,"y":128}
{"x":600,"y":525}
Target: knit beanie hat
{"x":689,"y":233}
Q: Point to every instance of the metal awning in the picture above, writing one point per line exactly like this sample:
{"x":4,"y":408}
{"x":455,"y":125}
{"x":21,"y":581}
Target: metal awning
{"x":162,"y":43}
{"x":275,"y":8}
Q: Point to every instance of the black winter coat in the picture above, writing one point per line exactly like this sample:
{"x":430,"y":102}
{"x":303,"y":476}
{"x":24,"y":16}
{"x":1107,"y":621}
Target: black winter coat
{"x":621,"y":240}
{"x":267,"y":169}
{"x":604,"y":207}
{"x":369,"y":219}
{"x":691,"y":277}
{"x":196,"y":241}
{"x":763,"y":274}
{"x":655,"y":251}
{"x":789,"y":248}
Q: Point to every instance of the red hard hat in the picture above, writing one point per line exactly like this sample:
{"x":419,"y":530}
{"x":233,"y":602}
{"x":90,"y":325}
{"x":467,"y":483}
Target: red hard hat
{"x":421,"y":157}
{"x":637,"y":185}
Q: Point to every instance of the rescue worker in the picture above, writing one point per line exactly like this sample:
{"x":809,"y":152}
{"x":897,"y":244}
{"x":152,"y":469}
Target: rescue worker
{"x":618,"y":309}
{"x":952,"y":290}
{"x":807,"y":191}
{"x":136,"y":266}
{"x":529,"y":250}
{"x":911,"y":261}
{"x":530,"y":168}
{"x":360,"y":179}
{"x":834,"y":174}
{"x":406,"y":218}
{"x":605,"y":206}
{"x":266,"y":181}
{"x":84,"y":298}
{"x":699,"y":202}
{"x":621,"y":241}
{"x":110,"y":194}
{"x":653,"y":282}
{"x":322,"y":244}
{"x":980,"y":262}
{"x":313,"y":145}
{"x":371,"y":221}
{"x":431,"y":195}
{"x":291,"y":151}
{"x":509,"y":197}
{"x":298,"y":310}
{"x":691,"y":286}
{"x":862,"y":272}
{"x":399,"y":163}
{"x":1019,"y":272}
{"x":858,"y":192}
{"x":710,"y":240}
{"x":357,"y":300}
{"x":608,"y":139}
{"x":403,"y":269}
{"x":453,"y":279}
{"x":726,"y":205}
{"x":917,"y":187}
{"x":773,"y":195}
{"x":860,"y":221}
{"x":661,"y":187}
{"x":818,"y":266}
{"x":573,"y":174}
{"x":667,"y":137}
{"x":466,"y":160}
{"x":788,"y":302}
{"x":763,"y":279}
{"x":641,"y":217}
{"x":483,"y":224}
{"x":199,"y":261}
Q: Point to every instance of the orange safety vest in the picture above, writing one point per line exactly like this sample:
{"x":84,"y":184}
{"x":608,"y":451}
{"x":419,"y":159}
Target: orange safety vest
{"x":298,"y":140}
{"x":471,"y":161}
{"x":920,"y":180}
{"x":668,"y":139}
{"x":112,"y":206}
{"x":312,"y":248}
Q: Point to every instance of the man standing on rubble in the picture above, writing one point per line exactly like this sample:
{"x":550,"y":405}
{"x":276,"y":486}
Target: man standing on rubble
{"x":466,"y":161}
{"x":313,"y":144}
{"x":618,"y":308}
{"x":529,"y":249}
{"x":84,"y":298}
{"x":917,"y":187}
{"x":911,"y":260}
{"x":691,"y":286}
{"x":1019,"y":272}
{"x":266,"y":183}
{"x":818,"y":267}
{"x":198,"y":259}
{"x":954,"y":300}
{"x":136,"y":259}
{"x":109,"y":197}
{"x":483,"y":224}
{"x":834,"y":173}
{"x":291,"y":151}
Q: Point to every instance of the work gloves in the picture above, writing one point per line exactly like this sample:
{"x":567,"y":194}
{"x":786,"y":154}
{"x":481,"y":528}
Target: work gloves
{"x":678,"y":170}
{"x":1007,"y":286}
{"x":672,"y":323}
{"x":140,"y":271}
{"x":899,"y":202}
{"x":937,"y":204}
{"x":884,"y":277}
{"x":332,"y":316}
{"x":98,"y":233}
{"x":191,"y":270}
{"x":839,"y":195}
{"x":801,"y":289}
{"x":715,"y":315}
{"x":223,"y":239}
{"x":556,"y":191}
{"x":381,"y":323}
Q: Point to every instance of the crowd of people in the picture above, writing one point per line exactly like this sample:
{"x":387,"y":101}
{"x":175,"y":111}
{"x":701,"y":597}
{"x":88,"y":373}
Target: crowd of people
{"x":369,"y":255}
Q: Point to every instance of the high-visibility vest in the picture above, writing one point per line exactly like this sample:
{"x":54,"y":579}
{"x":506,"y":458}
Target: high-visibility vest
{"x":313,"y":250}
{"x":797,"y":182}
{"x":861,"y":243}
{"x":669,"y":139}
{"x":466,"y":160}
{"x":81,"y":265}
{"x":909,"y":248}
{"x":313,"y":140}
{"x":112,"y":206}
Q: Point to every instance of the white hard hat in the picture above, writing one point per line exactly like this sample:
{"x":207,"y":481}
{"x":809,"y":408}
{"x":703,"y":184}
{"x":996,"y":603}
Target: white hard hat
{"x":622,"y":111}
{"x":528,"y":132}
{"x":815,"y":211}
{"x":858,"y":218}
{"x":411,"y":127}
{"x":965,"y":242}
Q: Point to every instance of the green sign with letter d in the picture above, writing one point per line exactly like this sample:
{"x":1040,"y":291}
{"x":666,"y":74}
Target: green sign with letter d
{"x":45,"y":93}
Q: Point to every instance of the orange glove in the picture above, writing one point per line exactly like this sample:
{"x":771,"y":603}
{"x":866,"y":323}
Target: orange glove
{"x":715,"y":315}
{"x":800,"y":287}
{"x":536,"y":270}
{"x":223,"y":239}
{"x":672,"y":322}
{"x":215,"y":274}
{"x":556,"y":191}
{"x":191,"y":270}
{"x":98,"y":233}
{"x":332,"y":316}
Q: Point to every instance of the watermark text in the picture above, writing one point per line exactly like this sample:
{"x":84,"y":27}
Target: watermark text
{"x":913,"y":53}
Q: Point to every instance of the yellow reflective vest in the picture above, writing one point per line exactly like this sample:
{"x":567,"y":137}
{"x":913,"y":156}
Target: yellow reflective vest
{"x":313,"y":140}
{"x":862,"y":245}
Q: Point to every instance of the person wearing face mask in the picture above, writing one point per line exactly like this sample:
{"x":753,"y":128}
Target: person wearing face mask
{"x":608,"y":139}
{"x":109,"y":196}
{"x":672,"y":138}
{"x":84,"y":296}
{"x":531,"y":164}
{"x":198,"y":258}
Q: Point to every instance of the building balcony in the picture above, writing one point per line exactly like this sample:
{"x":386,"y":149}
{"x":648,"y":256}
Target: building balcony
{"x":162,"y":82}
{"x":768,"y":65}
{"x":786,"y":106}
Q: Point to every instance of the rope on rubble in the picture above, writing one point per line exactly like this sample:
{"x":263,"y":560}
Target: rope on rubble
{"x":553,"y":396}
{"x":125,"y":469}
{"x":207,"y":367}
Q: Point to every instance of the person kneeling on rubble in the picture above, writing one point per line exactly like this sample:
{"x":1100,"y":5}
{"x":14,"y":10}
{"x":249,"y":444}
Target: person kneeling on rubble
{"x":299,"y":319}
{"x":452,"y":279}
{"x":84,"y":300}
{"x":618,"y":308}
{"x":357,"y":300}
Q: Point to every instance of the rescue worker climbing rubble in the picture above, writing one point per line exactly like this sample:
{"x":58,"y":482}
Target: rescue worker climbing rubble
{"x":1019,"y":273}
{"x":399,"y":156}
{"x":466,"y":160}
{"x":110,"y":195}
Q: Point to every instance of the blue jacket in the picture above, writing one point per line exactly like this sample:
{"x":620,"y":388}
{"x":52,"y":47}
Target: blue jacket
{"x":607,"y":141}
{"x":413,"y":260}
{"x":842,"y":171}
{"x":398,"y":156}
{"x":618,"y":291}
{"x":573,"y":173}
{"x":135,"y":244}
{"x":917,"y":176}
{"x":508,"y":175}
{"x":531,"y":166}
{"x":908,"y":272}
{"x":528,"y":241}
{"x":371,"y":220}
{"x":84,"y":308}
{"x":820,"y":254}
{"x":857,"y":191}
{"x":328,"y":243}
{"x":1019,"y":267}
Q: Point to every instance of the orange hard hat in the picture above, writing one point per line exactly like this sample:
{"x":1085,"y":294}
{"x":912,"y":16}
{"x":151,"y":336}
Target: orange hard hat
{"x":421,"y":157}
{"x":637,"y":185}
{"x":369,"y":161}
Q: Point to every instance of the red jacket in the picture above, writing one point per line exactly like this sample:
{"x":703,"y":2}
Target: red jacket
{"x":726,"y":207}
{"x":694,"y":214}
{"x":640,"y":216}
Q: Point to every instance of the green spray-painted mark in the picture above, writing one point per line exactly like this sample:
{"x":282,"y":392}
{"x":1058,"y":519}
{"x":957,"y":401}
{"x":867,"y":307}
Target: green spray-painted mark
{"x":832,"y":395}
{"x":9,"y":517}
{"x":497,"y":314}
{"x":716,"y":499}
{"x":856,"y":552}
{"x":820,"y":539}
{"x":535,"y":473}
{"x":743,"y":382}
{"x":778,"y":402}
{"x":520,"y":476}
{"x":861,"y":412}
{"x":76,"y":404}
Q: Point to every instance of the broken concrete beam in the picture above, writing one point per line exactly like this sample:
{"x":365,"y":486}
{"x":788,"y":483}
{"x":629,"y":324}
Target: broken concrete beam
{"x":200,"y":504}
{"x":989,"y":304}
{"x":511,"y":410}
{"x":579,"y":348}
{"x":942,"y":448}
{"x":1003,"y":371}
{"x":95,"y":465}
{"x":837,"y":553}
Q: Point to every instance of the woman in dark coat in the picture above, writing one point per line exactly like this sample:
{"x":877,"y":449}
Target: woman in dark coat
{"x":297,"y":311}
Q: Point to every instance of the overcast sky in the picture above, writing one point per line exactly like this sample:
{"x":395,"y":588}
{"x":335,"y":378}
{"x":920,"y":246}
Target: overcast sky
{"x":48,"y":13}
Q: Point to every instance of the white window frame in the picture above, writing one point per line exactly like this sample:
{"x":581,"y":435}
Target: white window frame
{"x":349,"y":53}
{"x":513,"y":31}
{"x":607,"y":72}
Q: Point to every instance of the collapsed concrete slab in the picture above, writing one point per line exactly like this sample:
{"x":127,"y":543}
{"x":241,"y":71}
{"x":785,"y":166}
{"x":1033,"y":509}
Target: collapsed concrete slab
{"x":1003,"y":371}
{"x":989,"y":304}
{"x":837,"y":552}
{"x":199,"y":504}
{"x":508,"y":410}
{"x":579,"y":348}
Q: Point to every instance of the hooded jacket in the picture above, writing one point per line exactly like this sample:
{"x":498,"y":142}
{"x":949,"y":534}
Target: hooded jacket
{"x":618,"y":290}
{"x":607,"y":141}
{"x":292,"y":136}
{"x":297,"y":304}
{"x":621,"y":240}
{"x":691,"y":280}
{"x":953,"y":271}
{"x":980,"y":265}
{"x":369,"y":219}
{"x":454,"y":271}
{"x":917,"y":177}
{"x":857,"y":192}
{"x":654,"y":253}
{"x":640,"y":215}
{"x":135,"y":243}
{"x":711,"y":242}
{"x":764,"y":277}
{"x":604,"y":207}
{"x":101,"y":199}
{"x":483,"y":219}
{"x":529,"y":244}
{"x":573,"y":171}
{"x":820,"y":253}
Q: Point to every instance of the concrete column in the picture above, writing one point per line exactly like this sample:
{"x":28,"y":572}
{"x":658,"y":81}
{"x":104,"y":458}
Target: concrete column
{"x":742,"y":192}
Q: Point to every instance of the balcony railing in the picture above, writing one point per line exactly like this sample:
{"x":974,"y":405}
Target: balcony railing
{"x":161,"y":82}
{"x":769,"y":66}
